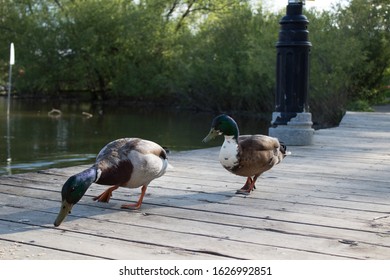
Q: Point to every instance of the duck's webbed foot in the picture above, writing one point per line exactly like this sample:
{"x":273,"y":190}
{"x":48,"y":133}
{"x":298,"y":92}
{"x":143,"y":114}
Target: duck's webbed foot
{"x":137,"y":205}
{"x":248,"y":187}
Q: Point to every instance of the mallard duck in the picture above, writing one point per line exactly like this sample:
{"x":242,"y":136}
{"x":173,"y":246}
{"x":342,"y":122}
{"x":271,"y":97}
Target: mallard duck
{"x":126,"y":162}
{"x":245,"y":155}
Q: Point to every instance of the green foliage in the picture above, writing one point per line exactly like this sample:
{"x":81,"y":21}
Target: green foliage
{"x":230,"y":66}
{"x":368,"y":22}
{"x":359,"y":105}
{"x":333,"y":58}
{"x":207,"y":54}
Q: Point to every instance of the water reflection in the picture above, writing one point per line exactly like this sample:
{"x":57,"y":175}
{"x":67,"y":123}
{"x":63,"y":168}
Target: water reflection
{"x":8,"y":137}
{"x":35,"y":141}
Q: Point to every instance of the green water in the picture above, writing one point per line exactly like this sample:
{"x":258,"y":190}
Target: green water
{"x":35,"y":141}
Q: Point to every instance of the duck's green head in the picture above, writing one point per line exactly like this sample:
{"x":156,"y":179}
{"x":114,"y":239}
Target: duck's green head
{"x":222,"y":125}
{"x":73,"y":190}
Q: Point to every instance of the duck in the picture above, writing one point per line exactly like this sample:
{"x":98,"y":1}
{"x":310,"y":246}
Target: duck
{"x":245,"y":155}
{"x":125,"y":162}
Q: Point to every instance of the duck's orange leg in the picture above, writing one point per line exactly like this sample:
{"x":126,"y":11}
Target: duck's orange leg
{"x":106,"y":195}
{"x":139,"y":202}
{"x":249,"y":186}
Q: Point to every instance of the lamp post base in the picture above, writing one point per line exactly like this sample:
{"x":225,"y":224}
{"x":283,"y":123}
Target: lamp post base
{"x":297,"y":132}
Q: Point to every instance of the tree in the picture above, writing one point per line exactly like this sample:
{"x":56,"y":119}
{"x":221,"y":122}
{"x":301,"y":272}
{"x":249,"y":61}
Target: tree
{"x":333,"y":58}
{"x":369,"y":23}
{"x":229,"y":67}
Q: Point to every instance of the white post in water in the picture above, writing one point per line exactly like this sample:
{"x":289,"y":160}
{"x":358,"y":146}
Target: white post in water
{"x":11,"y":63}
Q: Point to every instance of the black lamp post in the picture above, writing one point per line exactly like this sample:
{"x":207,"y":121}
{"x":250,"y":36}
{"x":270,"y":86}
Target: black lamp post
{"x":291,"y":121}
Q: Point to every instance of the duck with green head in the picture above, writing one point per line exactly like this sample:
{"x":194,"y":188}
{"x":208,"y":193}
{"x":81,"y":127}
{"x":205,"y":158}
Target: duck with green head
{"x":245,"y":155}
{"x":126,"y":162}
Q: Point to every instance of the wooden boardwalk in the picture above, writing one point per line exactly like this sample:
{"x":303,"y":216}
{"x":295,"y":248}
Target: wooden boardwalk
{"x":326,"y":201}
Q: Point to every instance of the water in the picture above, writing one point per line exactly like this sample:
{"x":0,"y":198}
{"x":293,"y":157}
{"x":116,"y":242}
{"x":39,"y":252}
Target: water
{"x":37,"y":141}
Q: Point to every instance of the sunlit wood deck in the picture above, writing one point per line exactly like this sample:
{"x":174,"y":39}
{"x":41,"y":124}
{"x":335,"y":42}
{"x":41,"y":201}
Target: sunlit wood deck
{"x":326,"y":201}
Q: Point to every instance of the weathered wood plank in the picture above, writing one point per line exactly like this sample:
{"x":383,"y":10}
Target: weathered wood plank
{"x":14,"y":250}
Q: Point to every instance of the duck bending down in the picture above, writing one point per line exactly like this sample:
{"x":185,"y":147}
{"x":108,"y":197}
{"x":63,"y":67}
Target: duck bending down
{"x":126,"y":162}
{"x":245,"y":155}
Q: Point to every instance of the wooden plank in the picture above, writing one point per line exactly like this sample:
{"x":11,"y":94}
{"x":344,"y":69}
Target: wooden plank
{"x":293,"y":234}
{"x":212,"y":202}
{"x":87,"y":245}
{"x":14,"y":250}
{"x":89,"y":236}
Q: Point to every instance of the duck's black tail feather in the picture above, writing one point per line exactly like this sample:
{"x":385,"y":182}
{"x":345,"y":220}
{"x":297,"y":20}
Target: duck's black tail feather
{"x":283,"y":149}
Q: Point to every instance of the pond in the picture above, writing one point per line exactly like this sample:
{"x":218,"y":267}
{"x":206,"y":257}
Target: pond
{"x":35,"y":140}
